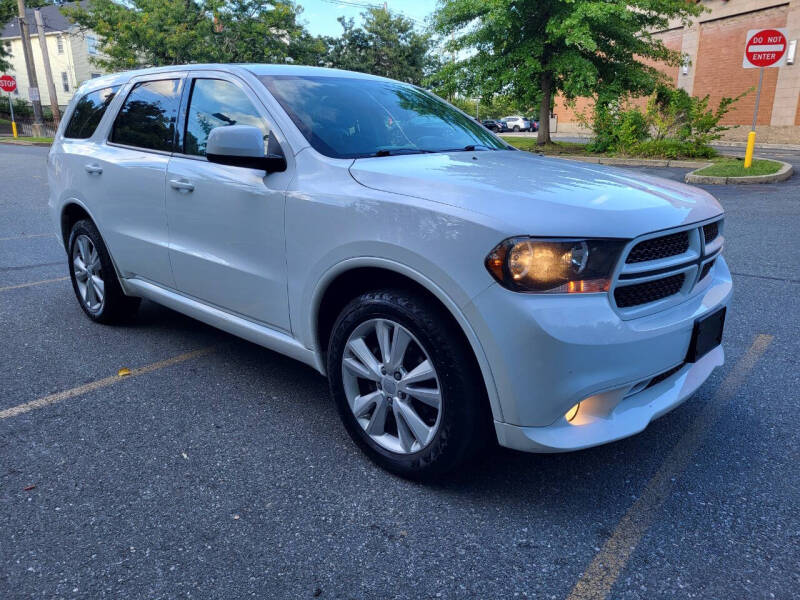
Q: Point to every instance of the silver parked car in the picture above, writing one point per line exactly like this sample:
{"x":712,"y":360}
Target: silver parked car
{"x":371,"y":230}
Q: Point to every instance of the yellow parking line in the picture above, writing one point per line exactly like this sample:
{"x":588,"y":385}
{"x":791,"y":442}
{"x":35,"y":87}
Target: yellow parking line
{"x":24,"y":285}
{"x":598,"y":579}
{"x":100,"y":383}
{"x":27,"y":236}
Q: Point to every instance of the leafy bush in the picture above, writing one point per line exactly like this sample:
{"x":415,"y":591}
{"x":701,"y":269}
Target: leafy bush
{"x":673,"y":125}
{"x":24,"y":109}
{"x":671,"y":149}
{"x":617,"y":130}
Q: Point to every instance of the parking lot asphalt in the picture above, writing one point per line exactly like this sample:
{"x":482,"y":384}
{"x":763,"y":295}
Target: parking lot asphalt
{"x":226,"y":473}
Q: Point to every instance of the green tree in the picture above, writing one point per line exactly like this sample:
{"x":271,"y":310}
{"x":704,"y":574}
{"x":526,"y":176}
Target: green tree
{"x":386,"y":45}
{"x":166,"y":32}
{"x":534,"y":49}
{"x":8,"y":11}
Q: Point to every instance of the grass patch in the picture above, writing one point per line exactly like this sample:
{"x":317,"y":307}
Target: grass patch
{"x":42,"y":140}
{"x":734,"y":167}
{"x":554,"y":148}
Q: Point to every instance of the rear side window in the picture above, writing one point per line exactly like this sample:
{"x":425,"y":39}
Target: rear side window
{"x":217,"y":103}
{"x":88,"y":112}
{"x":147,"y":119}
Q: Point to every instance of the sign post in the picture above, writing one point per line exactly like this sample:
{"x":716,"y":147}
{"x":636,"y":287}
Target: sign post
{"x":9,"y":84}
{"x":765,"y":48}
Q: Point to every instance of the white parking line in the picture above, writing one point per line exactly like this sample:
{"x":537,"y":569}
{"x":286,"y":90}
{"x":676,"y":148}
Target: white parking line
{"x":51,"y":399}
{"x":24,"y":285}
{"x":27,"y":236}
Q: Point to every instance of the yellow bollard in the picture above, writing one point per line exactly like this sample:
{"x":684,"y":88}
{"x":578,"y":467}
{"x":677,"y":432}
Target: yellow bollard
{"x":14,"y":128}
{"x":751,"y":144}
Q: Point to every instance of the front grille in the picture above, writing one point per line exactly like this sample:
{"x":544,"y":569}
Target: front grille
{"x":706,"y":269}
{"x":650,"y":291}
{"x":660,"y":247}
{"x":711,"y":231}
{"x":665,"y":375}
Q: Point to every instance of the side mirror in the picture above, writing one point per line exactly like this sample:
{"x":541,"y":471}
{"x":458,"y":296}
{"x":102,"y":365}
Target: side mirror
{"x":242,"y":146}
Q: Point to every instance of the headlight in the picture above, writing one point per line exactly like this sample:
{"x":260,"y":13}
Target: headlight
{"x":554,"y":266}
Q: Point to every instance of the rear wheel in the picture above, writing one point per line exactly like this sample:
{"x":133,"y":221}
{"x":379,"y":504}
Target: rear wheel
{"x":400,"y":375}
{"x":516,"y":128}
{"x":94,"y":279}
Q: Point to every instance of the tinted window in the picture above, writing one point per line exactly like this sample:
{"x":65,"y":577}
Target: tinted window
{"x":147,"y":119}
{"x":217,"y":103}
{"x":88,"y":112}
{"x":345,"y":117}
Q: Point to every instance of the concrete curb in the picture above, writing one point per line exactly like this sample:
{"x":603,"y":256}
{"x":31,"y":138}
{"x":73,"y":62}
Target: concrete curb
{"x":784,"y":173}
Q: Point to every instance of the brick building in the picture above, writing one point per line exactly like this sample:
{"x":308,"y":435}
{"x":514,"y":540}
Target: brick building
{"x":714,"y":44}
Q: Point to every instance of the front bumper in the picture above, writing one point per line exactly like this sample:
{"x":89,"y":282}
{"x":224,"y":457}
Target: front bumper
{"x":548,"y":353}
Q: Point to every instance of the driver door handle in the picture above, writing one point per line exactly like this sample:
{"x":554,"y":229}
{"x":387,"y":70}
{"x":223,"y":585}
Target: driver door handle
{"x":94,"y":169}
{"x":182,"y":185}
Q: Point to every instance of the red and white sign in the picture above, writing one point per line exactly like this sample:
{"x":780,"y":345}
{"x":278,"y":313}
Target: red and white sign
{"x":765,"y":48}
{"x":8,"y":83}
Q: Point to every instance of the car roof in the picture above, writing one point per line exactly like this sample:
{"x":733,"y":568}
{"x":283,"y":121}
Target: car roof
{"x":255,"y":69}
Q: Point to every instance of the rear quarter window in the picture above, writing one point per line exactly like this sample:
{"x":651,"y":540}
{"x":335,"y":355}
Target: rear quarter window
{"x":88,"y":112}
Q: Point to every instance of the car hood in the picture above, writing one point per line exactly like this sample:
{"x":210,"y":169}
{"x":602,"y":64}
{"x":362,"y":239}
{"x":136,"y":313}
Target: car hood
{"x":538,"y":195}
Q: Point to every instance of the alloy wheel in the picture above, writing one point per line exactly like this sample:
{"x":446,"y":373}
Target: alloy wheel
{"x":391,"y":386}
{"x":88,"y":273}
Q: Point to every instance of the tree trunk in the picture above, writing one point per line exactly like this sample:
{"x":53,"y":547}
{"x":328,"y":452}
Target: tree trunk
{"x":546,"y":84}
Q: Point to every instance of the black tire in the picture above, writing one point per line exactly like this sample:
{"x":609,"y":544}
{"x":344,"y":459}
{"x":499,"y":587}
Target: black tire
{"x":465,"y":416}
{"x":516,"y":128}
{"x":115,"y":307}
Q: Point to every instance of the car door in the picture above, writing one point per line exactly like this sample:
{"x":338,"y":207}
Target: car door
{"x":226,"y":223}
{"x":128,"y":172}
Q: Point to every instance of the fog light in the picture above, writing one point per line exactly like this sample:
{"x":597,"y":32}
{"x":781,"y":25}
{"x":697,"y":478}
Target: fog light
{"x":572,"y":412}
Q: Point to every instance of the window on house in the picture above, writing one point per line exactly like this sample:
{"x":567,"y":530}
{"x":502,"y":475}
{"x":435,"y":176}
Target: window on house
{"x":60,"y":44}
{"x":91,"y":44}
{"x":65,"y":81}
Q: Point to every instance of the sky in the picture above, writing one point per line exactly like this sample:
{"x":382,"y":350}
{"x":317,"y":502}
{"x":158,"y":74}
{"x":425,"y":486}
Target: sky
{"x":319,"y":16}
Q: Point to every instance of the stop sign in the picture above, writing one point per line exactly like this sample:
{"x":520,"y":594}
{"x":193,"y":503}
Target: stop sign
{"x":764,"y":48}
{"x":8,"y":83}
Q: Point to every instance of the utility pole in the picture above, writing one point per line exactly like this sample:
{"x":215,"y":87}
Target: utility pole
{"x":48,"y":74}
{"x":33,"y":83}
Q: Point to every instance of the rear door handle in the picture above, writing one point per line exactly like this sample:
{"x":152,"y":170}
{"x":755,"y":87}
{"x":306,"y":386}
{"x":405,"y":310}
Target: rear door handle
{"x":181,"y":185}
{"x":94,"y":169}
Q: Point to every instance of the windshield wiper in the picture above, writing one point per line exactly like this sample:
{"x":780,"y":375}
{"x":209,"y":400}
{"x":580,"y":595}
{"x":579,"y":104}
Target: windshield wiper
{"x":470,"y":148}
{"x":398,"y":151}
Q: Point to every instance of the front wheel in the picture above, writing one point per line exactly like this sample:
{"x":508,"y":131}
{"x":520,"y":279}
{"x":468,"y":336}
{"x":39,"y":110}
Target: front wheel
{"x":404,"y":383}
{"x":516,"y":128}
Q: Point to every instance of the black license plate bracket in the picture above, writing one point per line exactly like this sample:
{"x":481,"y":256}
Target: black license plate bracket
{"x":707,"y":335}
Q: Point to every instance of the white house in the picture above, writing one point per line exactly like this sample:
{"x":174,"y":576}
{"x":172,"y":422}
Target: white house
{"x":69,"y":49}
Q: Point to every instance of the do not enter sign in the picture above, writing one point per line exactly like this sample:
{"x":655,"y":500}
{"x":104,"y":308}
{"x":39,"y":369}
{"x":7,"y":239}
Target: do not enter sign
{"x":765,"y":48}
{"x":8,"y":83}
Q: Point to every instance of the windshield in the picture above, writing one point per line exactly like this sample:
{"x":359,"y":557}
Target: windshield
{"x":344,"y":117}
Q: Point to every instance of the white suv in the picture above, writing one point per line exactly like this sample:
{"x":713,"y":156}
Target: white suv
{"x":369,"y":229}
{"x":518,"y":123}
